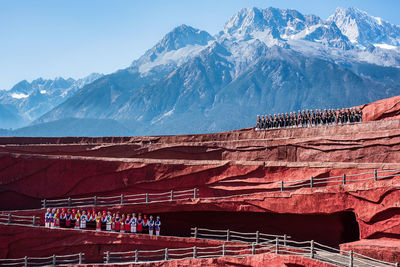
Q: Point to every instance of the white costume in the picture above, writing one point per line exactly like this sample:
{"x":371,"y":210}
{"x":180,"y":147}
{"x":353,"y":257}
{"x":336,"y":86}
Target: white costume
{"x":133,"y":224}
{"x":84,"y":219}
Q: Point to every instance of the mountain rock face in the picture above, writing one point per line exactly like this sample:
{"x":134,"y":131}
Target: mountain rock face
{"x":31,"y":100}
{"x":263,"y":61}
{"x":364,"y":29}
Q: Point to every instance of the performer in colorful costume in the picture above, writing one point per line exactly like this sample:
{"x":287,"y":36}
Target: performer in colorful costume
{"x":157,"y":226}
{"x":78,"y":220}
{"x":150,"y":224}
{"x":63,"y":218}
{"x":133,"y":223}
{"x":122,"y":227}
{"x":117,"y":223}
{"x":68,"y":219}
{"x":84,"y":219}
{"x":47,"y":218}
{"x":108,"y":221}
{"x":57,"y":219}
{"x":139,"y":226}
{"x":128,"y":224}
{"x":52,"y":218}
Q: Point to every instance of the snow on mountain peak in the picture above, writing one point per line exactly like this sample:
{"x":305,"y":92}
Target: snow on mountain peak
{"x":182,"y":36}
{"x":178,"y":45}
{"x":274,"y":26}
{"x":364,"y":29}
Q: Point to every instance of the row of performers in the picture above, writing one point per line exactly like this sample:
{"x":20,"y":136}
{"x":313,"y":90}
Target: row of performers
{"x":307,"y":118}
{"x":102,"y":221}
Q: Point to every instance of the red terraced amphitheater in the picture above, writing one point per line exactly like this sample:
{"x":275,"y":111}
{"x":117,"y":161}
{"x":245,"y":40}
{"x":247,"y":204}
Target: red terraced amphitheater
{"x":246,"y":181}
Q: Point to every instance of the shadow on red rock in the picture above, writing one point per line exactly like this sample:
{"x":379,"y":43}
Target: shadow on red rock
{"x":332,"y":229}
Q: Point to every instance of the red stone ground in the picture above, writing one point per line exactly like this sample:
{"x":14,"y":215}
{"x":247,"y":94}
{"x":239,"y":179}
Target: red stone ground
{"x":223,"y":164}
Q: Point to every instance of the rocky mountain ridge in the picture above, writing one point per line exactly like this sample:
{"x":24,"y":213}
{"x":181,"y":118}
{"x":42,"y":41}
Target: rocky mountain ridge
{"x":263,"y":61}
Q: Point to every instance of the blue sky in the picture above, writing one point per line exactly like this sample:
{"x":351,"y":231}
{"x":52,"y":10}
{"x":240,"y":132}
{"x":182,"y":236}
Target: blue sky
{"x":51,"y":38}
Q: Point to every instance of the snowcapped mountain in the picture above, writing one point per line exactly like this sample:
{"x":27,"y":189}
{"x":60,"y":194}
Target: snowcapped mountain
{"x":178,"y":46}
{"x":31,"y":100}
{"x":262,"y":61}
{"x":365,"y":30}
{"x":274,"y":27}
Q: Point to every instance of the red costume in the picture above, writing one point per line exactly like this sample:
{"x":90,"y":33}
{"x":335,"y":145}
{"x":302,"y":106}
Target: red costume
{"x":68,"y":219}
{"x":139,"y":226}
{"x":128,"y":224}
{"x":117,"y":223}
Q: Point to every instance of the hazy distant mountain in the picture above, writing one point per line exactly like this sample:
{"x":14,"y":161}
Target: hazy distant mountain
{"x":71,"y":127}
{"x":31,"y":100}
{"x":262,"y":61}
{"x":9,"y":117}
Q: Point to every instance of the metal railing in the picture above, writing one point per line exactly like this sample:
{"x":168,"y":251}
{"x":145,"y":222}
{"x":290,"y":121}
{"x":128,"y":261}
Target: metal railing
{"x":186,"y":253}
{"x":229,"y":235}
{"x":344,"y":179}
{"x":309,"y":249}
{"x":283,"y":245}
{"x":45,"y":261}
{"x":122,"y":199}
{"x":18,"y":219}
{"x":312,"y":182}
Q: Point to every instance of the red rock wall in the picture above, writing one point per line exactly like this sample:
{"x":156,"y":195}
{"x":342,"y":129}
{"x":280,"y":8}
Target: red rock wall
{"x":19,"y":241}
{"x":238,"y":162}
{"x":384,"y":249}
{"x":62,"y":242}
{"x":253,"y":261}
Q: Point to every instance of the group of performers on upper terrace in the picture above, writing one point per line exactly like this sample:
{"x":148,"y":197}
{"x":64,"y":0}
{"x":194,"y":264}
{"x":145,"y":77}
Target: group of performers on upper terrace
{"x":309,"y":118}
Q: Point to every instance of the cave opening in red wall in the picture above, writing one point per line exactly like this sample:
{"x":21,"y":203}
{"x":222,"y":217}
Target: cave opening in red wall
{"x":328,"y":229}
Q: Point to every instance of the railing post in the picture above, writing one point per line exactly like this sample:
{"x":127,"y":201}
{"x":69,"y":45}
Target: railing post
{"x":276,"y":246}
{"x":147,"y":197}
{"x":94,"y":200}
{"x":166,"y":254}
{"x":195,"y":193}
{"x":34,"y":220}
{"x":194,"y":252}
{"x":257,"y":237}
{"x":172,"y":195}
{"x":108,"y":257}
{"x":312,"y":249}
{"x":223,"y":250}
{"x":351,"y":259}
{"x":344,"y":178}
{"x":195,"y":232}
{"x":253,"y":248}
{"x":44,"y":203}
{"x":284,"y":239}
{"x":122,"y":199}
{"x":136,"y":255}
{"x":54,"y":260}
{"x":375,"y":175}
{"x":80,"y":257}
{"x":26,"y":261}
{"x":311,"y":182}
{"x":9,"y":218}
{"x":282,"y":186}
{"x":69,"y":202}
{"x":228,"y":235}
